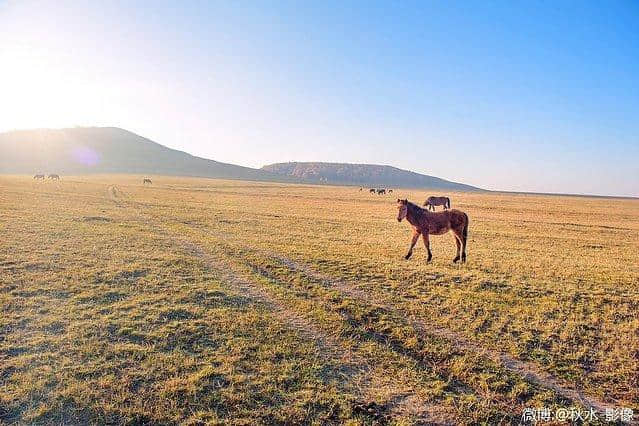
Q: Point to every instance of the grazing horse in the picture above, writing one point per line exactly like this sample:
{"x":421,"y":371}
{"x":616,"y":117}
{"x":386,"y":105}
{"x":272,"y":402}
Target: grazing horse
{"x":436,"y":223}
{"x":381,"y":191}
{"x":431,"y":202}
{"x":372,"y":190}
{"x":146,"y":180}
{"x":39,"y":177}
{"x":54,"y":176}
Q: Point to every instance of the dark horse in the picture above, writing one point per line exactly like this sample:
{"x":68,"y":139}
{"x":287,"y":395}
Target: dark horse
{"x":39,"y":177}
{"x":431,"y":202}
{"x":146,"y":180}
{"x":437,"y":223}
{"x":372,"y":190}
{"x":381,"y":191}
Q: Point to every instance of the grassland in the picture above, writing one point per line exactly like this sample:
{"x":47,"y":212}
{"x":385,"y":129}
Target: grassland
{"x":201,"y":301}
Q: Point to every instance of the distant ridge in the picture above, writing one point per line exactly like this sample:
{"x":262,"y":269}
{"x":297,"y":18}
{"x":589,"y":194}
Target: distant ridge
{"x":85,"y":150}
{"x":89,"y":150}
{"x":363,"y":174}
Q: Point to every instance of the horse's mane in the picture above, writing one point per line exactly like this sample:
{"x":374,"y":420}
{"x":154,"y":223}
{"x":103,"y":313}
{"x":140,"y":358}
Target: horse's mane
{"x":415,"y":210}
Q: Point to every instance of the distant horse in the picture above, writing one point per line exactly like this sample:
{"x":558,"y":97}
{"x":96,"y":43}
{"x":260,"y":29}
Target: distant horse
{"x":381,"y":191}
{"x":431,"y":202}
{"x":54,"y":177}
{"x":39,"y":177}
{"x":146,"y":180}
{"x":425,"y":223}
{"x":390,"y":191}
{"x":361,"y":189}
{"x":372,"y":190}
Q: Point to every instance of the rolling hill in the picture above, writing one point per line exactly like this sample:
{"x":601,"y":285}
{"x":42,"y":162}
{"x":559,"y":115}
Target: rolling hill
{"x":85,"y":150}
{"x":363,"y":174}
{"x":108,"y":150}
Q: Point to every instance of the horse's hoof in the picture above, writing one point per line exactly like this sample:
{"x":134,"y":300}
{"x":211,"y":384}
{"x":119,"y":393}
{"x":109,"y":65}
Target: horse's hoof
{"x":408,"y":256}
{"x":455,"y":260}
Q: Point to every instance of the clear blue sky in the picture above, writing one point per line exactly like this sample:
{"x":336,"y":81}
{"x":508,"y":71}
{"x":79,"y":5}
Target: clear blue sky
{"x":536,"y":96}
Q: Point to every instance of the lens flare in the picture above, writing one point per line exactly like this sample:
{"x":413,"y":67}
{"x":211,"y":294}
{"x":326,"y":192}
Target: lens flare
{"x":85,"y":156}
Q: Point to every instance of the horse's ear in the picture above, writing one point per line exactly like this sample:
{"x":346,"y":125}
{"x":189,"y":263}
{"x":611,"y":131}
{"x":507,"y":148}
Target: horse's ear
{"x":405,"y":201}
{"x":399,"y":201}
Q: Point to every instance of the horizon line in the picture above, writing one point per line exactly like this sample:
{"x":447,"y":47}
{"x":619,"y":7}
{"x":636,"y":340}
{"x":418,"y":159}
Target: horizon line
{"x":567,"y":194}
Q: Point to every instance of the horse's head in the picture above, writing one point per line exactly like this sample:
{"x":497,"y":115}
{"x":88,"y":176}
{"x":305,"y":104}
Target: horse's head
{"x":402,"y":207}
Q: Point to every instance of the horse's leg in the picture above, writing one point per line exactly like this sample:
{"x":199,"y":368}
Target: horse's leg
{"x":458,"y":242}
{"x":463,"y":258}
{"x":427,"y":245}
{"x":412,"y":244}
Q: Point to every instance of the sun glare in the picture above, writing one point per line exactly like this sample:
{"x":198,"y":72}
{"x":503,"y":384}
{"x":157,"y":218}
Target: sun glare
{"x":36,"y":94}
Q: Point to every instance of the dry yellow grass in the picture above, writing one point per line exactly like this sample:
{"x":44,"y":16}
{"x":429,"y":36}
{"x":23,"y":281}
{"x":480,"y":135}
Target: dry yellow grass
{"x":206,"y":301}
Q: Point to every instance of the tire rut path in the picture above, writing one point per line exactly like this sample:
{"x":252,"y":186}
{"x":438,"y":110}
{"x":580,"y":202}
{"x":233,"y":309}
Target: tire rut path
{"x":526,"y":370}
{"x":354,"y":371}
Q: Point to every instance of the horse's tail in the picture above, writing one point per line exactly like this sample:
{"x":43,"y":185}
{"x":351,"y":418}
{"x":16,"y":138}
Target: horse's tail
{"x":465,"y":230}
{"x":448,"y":202}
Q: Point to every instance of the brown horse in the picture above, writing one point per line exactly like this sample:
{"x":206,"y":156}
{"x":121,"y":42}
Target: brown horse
{"x":431,"y":202}
{"x":438,"y":223}
{"x":146,"y":180}
{"x":39,"y":177}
